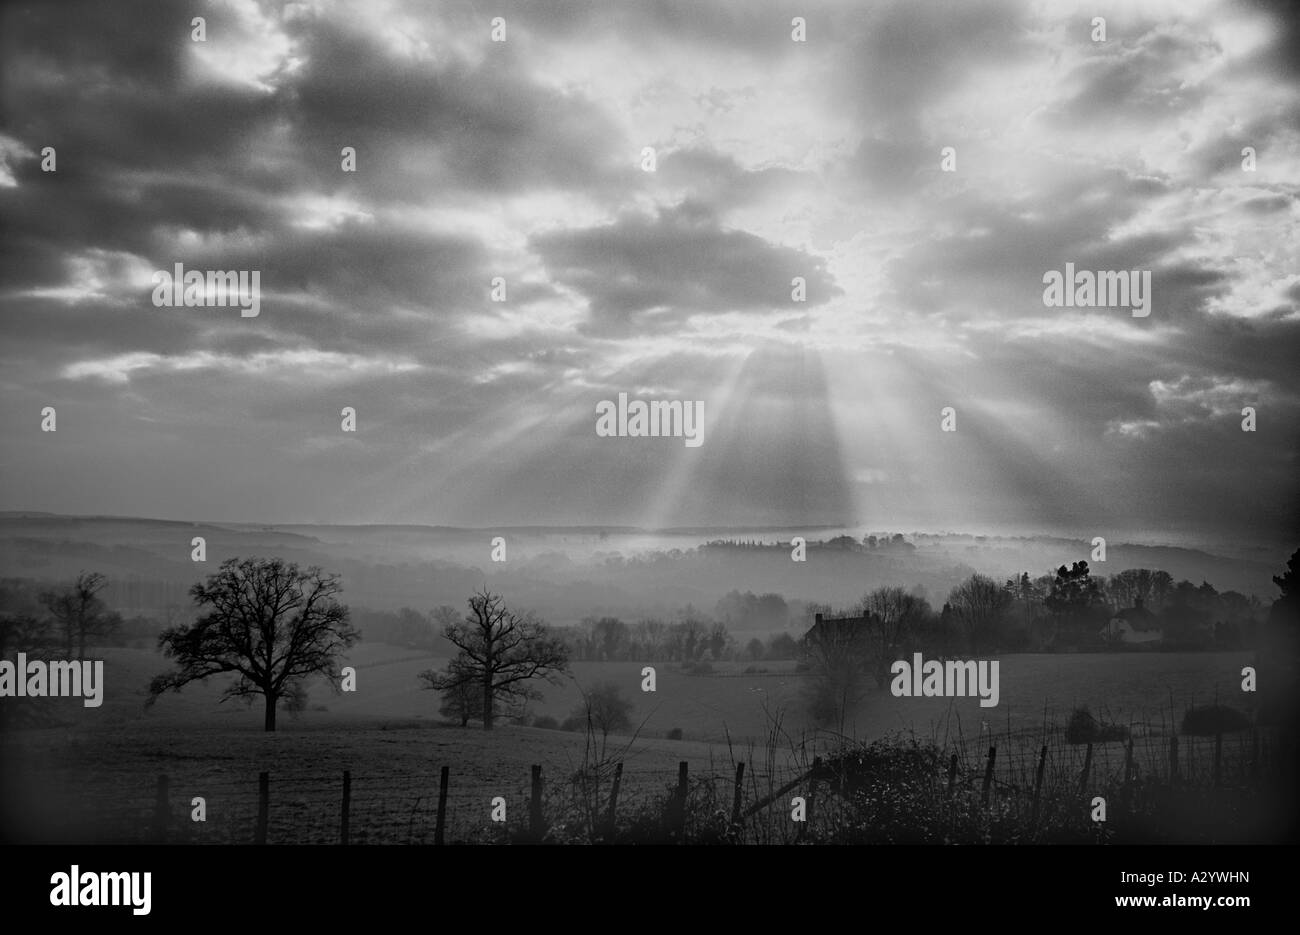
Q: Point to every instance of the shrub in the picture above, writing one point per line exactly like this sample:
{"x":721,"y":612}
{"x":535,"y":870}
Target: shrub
{"x":675,"y":734}
{"x":574,"y":724}
{"x":1213,"y":719}
{"x":605,"y":708}
{"x":546,"y":722}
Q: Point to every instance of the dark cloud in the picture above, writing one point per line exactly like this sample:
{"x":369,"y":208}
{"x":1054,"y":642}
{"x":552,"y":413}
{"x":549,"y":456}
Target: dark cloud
{"x":1281,"y":56}
{"x":999,"y":254}
{"x":1135,"y":78}
{"x":719,"y":181}
{"x":484,"y":126}
{"x":655,"y":272}
{"x":899,"y":58}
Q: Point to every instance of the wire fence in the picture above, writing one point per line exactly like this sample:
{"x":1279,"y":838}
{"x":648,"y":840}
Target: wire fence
{"x":1028,"y":774}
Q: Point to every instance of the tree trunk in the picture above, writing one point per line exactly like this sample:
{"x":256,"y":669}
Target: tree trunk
{"x":487,"y":700}
{"x":270,"y":712}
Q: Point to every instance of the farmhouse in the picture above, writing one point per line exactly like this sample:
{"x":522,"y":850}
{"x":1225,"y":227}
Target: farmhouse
{"x":854,"y":632}
{"x":1133,"y":624}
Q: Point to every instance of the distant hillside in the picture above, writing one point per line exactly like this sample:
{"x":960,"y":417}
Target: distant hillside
{"x":563,"y":573}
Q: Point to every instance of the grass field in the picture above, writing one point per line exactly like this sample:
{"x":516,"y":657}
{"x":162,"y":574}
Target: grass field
{"x":96,"y":777}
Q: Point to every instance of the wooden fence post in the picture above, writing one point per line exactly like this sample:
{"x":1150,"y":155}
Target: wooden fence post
{"x":162,"y":810}
{"x":952,"y":774}
{"x":441,"y":826}
{"x":536,"y":827}
{"x":1038,"y":784}
{"x":610,"y":819}
{"x":988,"y":775}
{"x":1128,"y":766}
{"x":347,"y":807}
{"x":682,"y":786}
{"x":263,"y":805}
{"x":1173,"y":759}
{"x":1087,"y":768}
{"x":736,"y":799}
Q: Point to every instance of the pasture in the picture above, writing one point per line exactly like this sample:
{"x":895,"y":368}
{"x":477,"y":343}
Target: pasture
{"x":95,"y":776}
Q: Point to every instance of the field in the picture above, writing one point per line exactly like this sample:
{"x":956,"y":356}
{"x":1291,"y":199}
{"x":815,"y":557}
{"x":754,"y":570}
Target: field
{"x":96,"y":777}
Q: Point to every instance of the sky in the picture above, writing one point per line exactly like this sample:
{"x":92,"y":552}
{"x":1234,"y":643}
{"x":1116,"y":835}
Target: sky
{"x":525,"y":159}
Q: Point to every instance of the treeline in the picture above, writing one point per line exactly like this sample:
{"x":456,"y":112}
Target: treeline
{"x":62,"y":619}
{"x":883,"y":543}
{"x":408,"y":628}
{"x":60,"y":622}
{"x":1069,"y":610}
{"x":692,"y":637}
{"x":1072,"y":610}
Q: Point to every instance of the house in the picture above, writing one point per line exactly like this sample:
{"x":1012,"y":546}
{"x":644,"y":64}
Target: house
{"x":840,"y":630}
{"x":1133,"y":624}
{"x":841,"y":637}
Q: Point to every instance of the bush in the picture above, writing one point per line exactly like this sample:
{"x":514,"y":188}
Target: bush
{"x":605,"y":708}
{"x":574,"y":724}
{"x":1084,"y":728}
{"x":1213,"y":719}
{"x":546,"y":722}
{"x":675,"y":734}
{"x":703,"y":667}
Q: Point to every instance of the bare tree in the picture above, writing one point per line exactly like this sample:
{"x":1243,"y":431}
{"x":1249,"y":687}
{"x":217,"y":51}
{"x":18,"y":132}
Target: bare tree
{"x":79,"y":612}
{"x":604,"y":709}
{"x":977,"y":604}
{"x":894,"y":614}
{"x":609,"y":636}
{"x":443,"y":615}
{"x":270,"y":624}
{"x":24,"y":633}
{"x":462,"y":695}
{"x":501,"y":651}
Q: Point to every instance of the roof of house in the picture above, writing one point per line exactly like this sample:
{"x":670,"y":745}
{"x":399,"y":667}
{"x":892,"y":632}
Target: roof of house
{"x":839,"y":628}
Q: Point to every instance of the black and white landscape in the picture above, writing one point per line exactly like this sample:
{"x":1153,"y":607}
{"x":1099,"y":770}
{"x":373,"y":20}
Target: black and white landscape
{"x":649,"y":422}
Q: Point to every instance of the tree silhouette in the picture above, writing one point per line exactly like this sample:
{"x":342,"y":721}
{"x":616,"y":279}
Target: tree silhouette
{"x":269,"y":624}
{"x":500,"y":651}
{"x":604,"y":710}
{"x":1284,"y":615}
{"x":895,"y":614}
{"x":462,"y":695}
{"x":79,"y":612}
{"x":976,"y":605}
